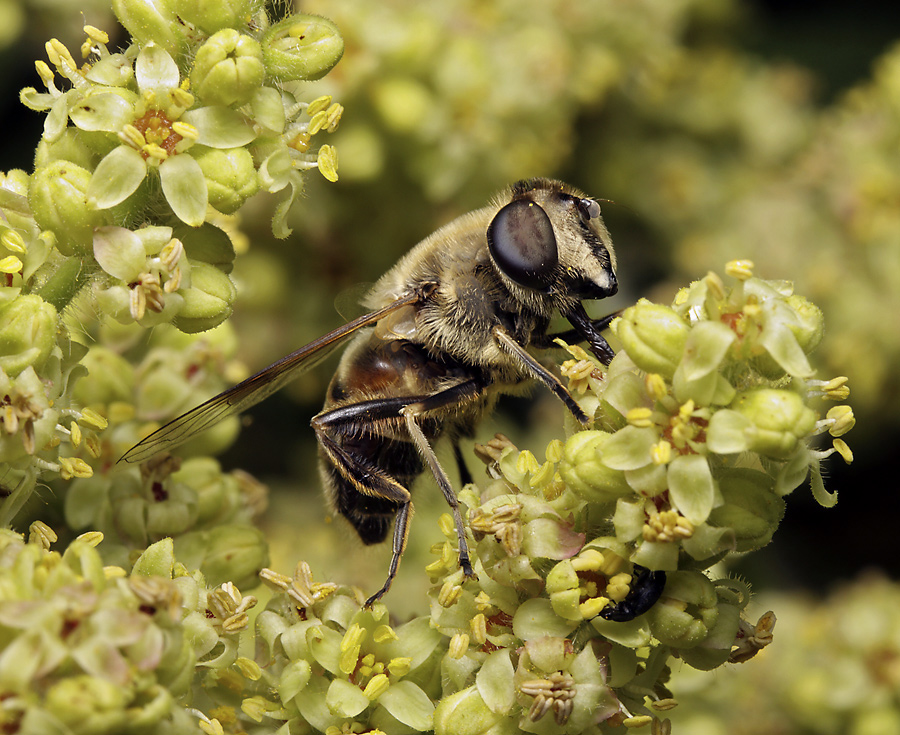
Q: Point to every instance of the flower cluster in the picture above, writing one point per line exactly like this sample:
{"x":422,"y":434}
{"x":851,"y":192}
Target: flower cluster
{"x":168,"y":132}
{"x":145,"y":153}
{"x":92,"y":649}
{"x":593,"y":565}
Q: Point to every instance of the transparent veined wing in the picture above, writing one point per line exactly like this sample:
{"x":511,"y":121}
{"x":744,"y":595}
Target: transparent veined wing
{"x":257,"y":387}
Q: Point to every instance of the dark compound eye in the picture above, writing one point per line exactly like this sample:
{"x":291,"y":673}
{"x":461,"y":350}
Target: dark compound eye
{"x":589,"y":208}
{"x":523,"y":245}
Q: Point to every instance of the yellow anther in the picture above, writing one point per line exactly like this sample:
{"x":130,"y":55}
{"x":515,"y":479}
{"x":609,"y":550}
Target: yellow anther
{"x":661,"y":452}
{"x":12,"y":240}
{"x":554,"y":451}
{"x":399,"y":666}
{"x":74,"y":434}
{"x":591,"y":608}
{"x":841,"y":448}
{"x":319,"y":104}
{"x":185,"y":130}
{"x":10,"y":264}
{"x":618,"y":586}
{"x":589,"y":560}
{"x":130,"y":135}
{"x":255,"y":708}
{"x":42,"y":535}
{"x":842,"y":418}
{"x":96,"y":35}
{"x":714,"y":284}
{"x":543,"y":475}
{"x":384,"y":633}
{"x":70,"y":467}
{"x":740,"y":269}
{"x":478,"y":624}
{"x":459,"y":644}
{"x":91,"y":418}
{"x":377,"y":686}
{"x":526,"y":462}
{"x":641,"y":417}
{"x":249,"y":668}
{"x":655,"y":385}
{"x":449,"y":594}
{"x":91,"y":538}
{"x":44,"y":72}
{"x":327,"y":161}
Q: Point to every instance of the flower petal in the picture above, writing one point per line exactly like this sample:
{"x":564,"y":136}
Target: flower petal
{"x":185,"y":188}
{"x":119,"y":252}
{"x":155,"y":69}
{"x":220,"y":127}
{"x":105,"y":111}
{"x":629,"y":448}
{"x":407,"y":703}
{"x":691,"y":487}
{"x":495,"y":682}
{"x":116,"y":177}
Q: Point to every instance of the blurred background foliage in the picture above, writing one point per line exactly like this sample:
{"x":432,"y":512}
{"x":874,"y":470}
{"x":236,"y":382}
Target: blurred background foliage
{"x":717,"y":129}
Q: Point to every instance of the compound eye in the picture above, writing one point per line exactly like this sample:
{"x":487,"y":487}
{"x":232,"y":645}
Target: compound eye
{"x":523,"y":245}
{"x":590,"y":208}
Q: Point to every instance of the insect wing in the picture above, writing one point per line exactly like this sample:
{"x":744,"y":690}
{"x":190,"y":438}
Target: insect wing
{"x":256,"y":388}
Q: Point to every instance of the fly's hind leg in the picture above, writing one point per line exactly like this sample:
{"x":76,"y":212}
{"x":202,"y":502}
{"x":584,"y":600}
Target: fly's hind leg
{"x":373,"y":482}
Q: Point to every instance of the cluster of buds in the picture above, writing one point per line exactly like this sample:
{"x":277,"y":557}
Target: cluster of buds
{"x":97,"y":649}
{"x":592,"y":566}
{"x":146,"y":151}
{"x":191,"y":120}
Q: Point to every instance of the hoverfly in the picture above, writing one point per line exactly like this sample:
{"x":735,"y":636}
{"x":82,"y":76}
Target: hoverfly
{"x":449,"y":330}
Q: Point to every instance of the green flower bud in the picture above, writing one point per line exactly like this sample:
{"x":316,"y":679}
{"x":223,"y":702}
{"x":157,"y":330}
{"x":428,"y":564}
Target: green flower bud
{"x":582,"y":470}
{"x":563,"y":590}
{"x":231,"y":553}
{"x":302,"y":47}
{"x":218,"y":495}
{"x":208,"y":244}
{"x":27,"y":334}
{"x":230,"y":176}
{"x":85,"y":705}
{"x":779,"y":420}
{"x":158,"y":560}
{"x":110,"y":378}
{"x":715,"y":650}
{"x":228,"y":68}
{"x":58,"y":199}
{"x":687,"y":612}
{"x":208,"y":302}
{"x":465,"y":713}
{"x":807,"y":327}
{"x":752,"y":510}
{"x":653,"y":335}
{"x":212,"y":15}
{"x":151,"y":21}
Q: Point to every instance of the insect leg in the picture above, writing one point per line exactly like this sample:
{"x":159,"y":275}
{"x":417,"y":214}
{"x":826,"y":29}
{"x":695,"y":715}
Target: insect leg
{"x":465,"y":477}
{"x":506,"y":341}
{"x":585,"y":327}
{"x":458,"y":394}
{"x":369,"y":480}
{"x":546,"y":342}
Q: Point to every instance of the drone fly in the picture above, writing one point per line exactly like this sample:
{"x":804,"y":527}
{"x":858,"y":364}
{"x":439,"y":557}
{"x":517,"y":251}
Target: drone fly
{"x":448,"y":330}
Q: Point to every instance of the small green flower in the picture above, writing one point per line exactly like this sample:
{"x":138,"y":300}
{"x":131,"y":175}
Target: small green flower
{"x":228,"y":68}
{"x":58,"y":198}
{"x":27,"y":333}
{"x":302,"y":47}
